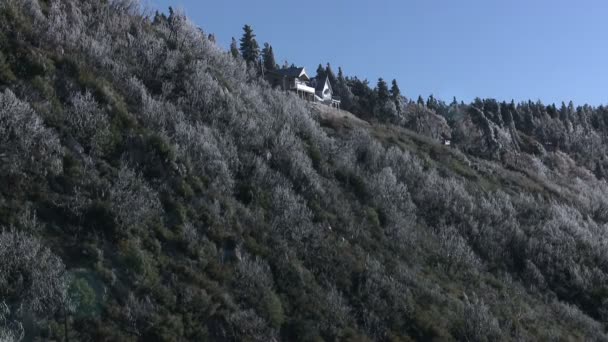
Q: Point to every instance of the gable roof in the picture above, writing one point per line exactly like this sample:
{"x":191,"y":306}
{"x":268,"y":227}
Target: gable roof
{"x":321,"y":85}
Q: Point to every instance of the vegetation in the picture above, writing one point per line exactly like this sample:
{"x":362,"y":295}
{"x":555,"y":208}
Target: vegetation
{"x":153,"y":187}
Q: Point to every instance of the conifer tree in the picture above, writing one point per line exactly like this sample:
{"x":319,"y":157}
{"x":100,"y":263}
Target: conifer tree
{"x":330,"y":73}
{"x":250,"y":50}
{"x":234,"y":50}
{"x":268,"y":57}
{"x":420,"y":100}
{"x":395,"y":91}
{"x":321,"y":74}
{"x":382,"y":90}
{"x":343,"y":91}
{"x":396,"y":95}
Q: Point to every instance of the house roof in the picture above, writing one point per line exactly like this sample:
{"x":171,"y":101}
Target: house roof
{"x":321,"y":85}
{"x":291,"y":72}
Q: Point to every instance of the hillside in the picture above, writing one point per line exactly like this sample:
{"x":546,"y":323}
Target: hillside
{"x":154,"y":188}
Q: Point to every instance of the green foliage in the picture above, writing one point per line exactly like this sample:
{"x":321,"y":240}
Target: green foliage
{"x":234,"y":50}
{"x":268,"y":57}
{"x":250,"y":50}
{"x":83,"y":296}
{"x":273,"y":309}
{"x":6,"y":74}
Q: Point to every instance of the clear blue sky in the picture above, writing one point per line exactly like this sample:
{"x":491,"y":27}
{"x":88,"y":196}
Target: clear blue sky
{"x":551,"y":50}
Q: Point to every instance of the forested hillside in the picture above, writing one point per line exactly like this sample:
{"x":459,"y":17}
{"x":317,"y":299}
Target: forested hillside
{"x":153,"y":187}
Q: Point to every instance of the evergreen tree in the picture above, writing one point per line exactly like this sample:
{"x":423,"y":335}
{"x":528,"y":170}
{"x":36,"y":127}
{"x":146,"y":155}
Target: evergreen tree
{"x":341,"y":75}
{"x":159,"y":18}
{"x":321,"y":74}
{"x":382,"y":90}
{"x":396,"y":95}
{"x":330,"y":73}
{"x":342,"y":89}
{"x":234,"y":50}
{"x":250,"y":50}
{"x":268,"y":57}
{"x":395,"y":91}
{"x":420,"y":100}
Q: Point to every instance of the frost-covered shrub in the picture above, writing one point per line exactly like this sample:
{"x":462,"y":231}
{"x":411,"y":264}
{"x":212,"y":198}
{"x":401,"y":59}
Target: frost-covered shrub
{"x":247,"y":325}
{"x":406,"y":167}
{"x":479,"y":322}
{"x":31,"y":276}
{"x":444,"y":200}
{"x":26,"y":145}
{"x":368,"y":152}
{"x":382,"y":296}
{"x":454,"y":252}
{"x":339,"y":312}
{"x":208,"y":152}
{"x":89,"y":122}
{"x":291,"y":218}
{"x":393,"y":200}
{"x":289,"y":154}
{"x":10,"y":331}
{"x":132,"y":200}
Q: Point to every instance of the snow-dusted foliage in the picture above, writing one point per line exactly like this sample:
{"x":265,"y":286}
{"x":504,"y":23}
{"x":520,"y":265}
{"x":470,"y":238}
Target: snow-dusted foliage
{"x":209,"y":206}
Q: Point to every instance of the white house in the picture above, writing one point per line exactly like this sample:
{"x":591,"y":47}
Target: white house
{"x":295,"y":79}
{"x":324,"y":93}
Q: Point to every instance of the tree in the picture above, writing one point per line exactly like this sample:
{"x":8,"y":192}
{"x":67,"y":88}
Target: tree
{"x":341,"y":88}
{"x":382,"y":90}
{"x":321,"y":73}
{"x":431,"y":102}
{"x":250,"y":50}
{"x":396,"y":95}
{"x":234,"y":50}
{"x":268,"y":57}
{"x":211,"y":37}
{"x":395,"y":91}
{"x":420,"y":100}
{"x":331,"y":75}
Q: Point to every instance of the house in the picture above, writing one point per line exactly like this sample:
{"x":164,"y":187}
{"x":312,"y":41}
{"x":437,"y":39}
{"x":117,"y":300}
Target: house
{"x":447,"y":141}
{"x":295,"y":79}
{"x":324,"y":93}
{"x":292,"y":79}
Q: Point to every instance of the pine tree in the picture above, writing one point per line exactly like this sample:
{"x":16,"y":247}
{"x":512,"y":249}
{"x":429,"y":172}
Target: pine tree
{"x":382,"y":90}
{"x":268,"y":57}
{"x":250,"y":50}
{"x":343,"y":91}
{"x":396,"y":95}
{"x":420,"y":100}
{"x":395,"y":91}
{"x":454,"y":102}
{"x":321,"y":74}
{"x":432,"y":103}
{"x":234,"y":50}
{"x":330,"y":73}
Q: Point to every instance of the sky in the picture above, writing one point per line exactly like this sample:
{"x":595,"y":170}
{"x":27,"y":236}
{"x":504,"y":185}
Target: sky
{"x":548,"y":50}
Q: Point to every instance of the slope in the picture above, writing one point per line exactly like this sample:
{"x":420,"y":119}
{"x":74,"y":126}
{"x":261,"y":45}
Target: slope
{"x":154,"y":188}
